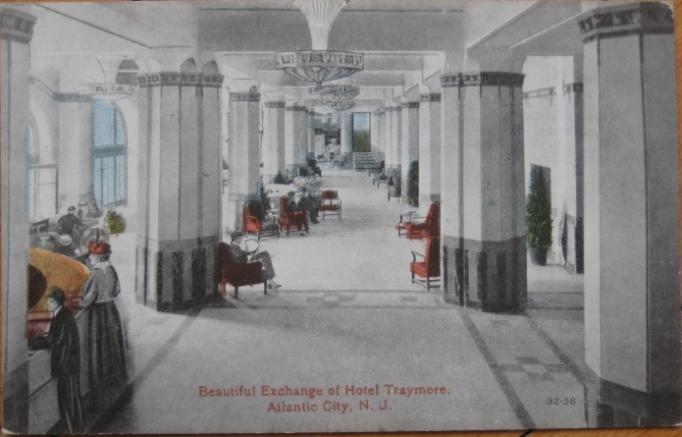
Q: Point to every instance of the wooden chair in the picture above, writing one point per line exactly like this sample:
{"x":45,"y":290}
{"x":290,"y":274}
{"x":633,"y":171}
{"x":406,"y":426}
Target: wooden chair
{"x":416,"y":229}
{"x":290,"y":219}
{"x":426,"y":272}
{"x":330,"y":204}
{"x":238,"y":274}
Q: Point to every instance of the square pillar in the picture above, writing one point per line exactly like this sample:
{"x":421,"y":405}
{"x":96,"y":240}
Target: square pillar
{"x":346,"y":120}
{"x":632,"y":304}
{"x":377,"y":129}
{"x":409,"y":142}
{"x":429,"y":147}
{"x":483,"y":197}
{"x":295,"y":137}
{"x":16,"y":31}
{"x":273,"y":140}
{"x":179,"y":189}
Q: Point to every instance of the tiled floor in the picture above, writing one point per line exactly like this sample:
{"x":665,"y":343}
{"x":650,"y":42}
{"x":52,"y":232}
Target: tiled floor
{"x":348,"y":314}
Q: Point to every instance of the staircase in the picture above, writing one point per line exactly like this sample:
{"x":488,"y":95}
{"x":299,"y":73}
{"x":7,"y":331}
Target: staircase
{"x":366,"y":160}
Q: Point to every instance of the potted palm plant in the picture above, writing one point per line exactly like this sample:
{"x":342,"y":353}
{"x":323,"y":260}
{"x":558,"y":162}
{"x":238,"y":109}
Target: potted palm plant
{"x":539,"y":220}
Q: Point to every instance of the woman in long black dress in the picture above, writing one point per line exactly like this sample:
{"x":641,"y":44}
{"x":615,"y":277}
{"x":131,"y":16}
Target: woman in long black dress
{"x":107,"y":357}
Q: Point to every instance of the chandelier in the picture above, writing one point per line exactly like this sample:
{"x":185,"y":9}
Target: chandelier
{"x":341,"y":106}
{"x":338,"y":97}
{"x":319,"y":64}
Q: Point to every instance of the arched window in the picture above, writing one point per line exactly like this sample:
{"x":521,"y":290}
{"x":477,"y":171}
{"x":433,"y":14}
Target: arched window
{"x":108,"y":155}
{"x":42,"y":178}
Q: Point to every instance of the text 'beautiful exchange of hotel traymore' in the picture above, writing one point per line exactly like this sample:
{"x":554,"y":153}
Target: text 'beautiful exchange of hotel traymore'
{"x":334,"y":399}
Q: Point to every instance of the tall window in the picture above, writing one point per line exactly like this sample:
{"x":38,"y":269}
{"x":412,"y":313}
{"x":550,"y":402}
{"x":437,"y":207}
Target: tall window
{"x":42,"y":180}
{"x":108,"y":155}
{"x":361,"y":142}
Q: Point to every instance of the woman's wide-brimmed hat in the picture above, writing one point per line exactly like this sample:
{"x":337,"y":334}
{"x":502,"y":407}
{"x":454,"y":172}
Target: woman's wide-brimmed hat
{"x":99,"y":248}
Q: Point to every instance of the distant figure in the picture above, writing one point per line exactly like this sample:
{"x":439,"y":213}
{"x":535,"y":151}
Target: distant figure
{"x":62,"y":339}
{"x":240,"y":256}
{"x":107,"y":366}
{"x":69,"y":224}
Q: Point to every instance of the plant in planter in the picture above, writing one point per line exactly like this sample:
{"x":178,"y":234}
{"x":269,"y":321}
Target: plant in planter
{"x":115,"y":223}
{"x":280,"y":179}
{"x":539,"y":219}
{"x":413,"y":184}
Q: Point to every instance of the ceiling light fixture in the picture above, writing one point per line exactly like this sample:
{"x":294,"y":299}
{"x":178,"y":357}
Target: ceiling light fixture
{"x":337,"y":97}
{"x":320,"y":65}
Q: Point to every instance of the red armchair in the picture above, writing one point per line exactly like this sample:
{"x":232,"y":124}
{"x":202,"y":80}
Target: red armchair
{"x":253,"y":224}
{"x":238,"y":274}
{"x":416,"y":230}
{"x":330,"y":204}
{"x":427,"y":271}
{"x":290,"y":218}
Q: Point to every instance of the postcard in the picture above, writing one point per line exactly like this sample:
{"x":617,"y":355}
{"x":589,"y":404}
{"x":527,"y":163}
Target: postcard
{"x":231,"y":216}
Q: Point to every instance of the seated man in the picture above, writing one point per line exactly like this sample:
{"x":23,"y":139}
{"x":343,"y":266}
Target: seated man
{"x":239,"y":255}
{"x":70,"y":224}
{"x":294,"y":204}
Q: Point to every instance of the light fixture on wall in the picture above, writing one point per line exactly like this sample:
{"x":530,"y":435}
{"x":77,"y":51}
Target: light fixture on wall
{"x":118,"y":89}
{"x":320,"y":65}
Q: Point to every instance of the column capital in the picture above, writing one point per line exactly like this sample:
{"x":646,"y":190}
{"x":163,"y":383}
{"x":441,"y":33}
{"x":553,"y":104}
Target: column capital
{"x":245,"y":97}
{"x":410,"y":105}
{"x":296,"y":108}
{"x":392,"y":108}
{"x":16,"y":25}
{"x":627,"y":19}
{"x":275,"y":105}
{"x":483,"y":78}
{"x":432,"y":97}
{"x":171,"y":78}
{"x":540,"y":92}
{"x":71,"y":98}
{"x":572,"y":88}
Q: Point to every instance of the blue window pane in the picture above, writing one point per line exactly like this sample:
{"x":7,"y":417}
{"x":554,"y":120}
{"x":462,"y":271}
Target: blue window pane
{"x":120,"y":177}
{"x":108,"y":181}
{"x":120,"y":132}
{"x":109,"y":155}
{"x":98,"y":180}
{"x":360,"y":121}
{"x":103,"y":114}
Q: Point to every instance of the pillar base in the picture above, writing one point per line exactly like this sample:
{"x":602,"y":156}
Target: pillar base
{"x":15,"y":400}
{"x":177,"y":275}
{"x":485,"y":275}
{"x":612,"y":405}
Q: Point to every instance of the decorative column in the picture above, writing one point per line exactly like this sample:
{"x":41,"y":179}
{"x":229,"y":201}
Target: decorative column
{"x":75,"y":145}
{"x":632,"y":304}
{"x":16,"y":31}
{"x":395,"y":139}
{"x":483,"y":223}
{"x":311,"y":133}
{"x":346,"y":120}
{"x":378,"y":131}
{"x":273,"y":140}
{"x":429,"y":147}
{"x":244,"y":154}
{"x":180,"y":184}
{"x":409,"y":142}
{"x":295,"y":148}
{"x":573,"y":142}
{"x":388,"y":137}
